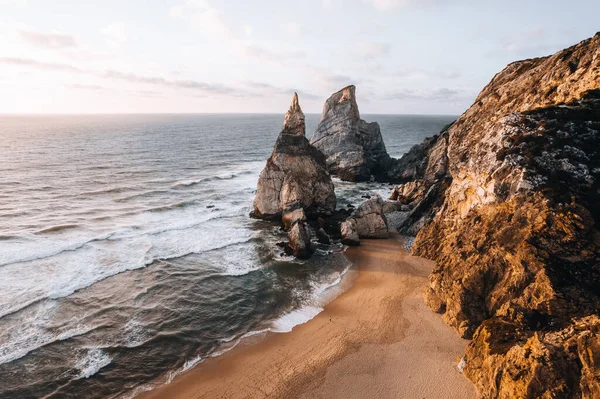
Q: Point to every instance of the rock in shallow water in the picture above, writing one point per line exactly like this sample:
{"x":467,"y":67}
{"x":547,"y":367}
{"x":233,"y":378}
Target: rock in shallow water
{"x":299,"y":244}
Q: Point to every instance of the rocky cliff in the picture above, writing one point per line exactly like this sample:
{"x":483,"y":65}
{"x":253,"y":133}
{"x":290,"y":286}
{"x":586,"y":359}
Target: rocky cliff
{"x":509,"y":203}
{"x":354,"y":148}
{"x":295,"y":182}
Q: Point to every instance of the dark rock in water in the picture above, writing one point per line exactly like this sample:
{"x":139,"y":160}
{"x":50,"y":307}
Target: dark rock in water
{"x":509,"y":200}
{"x":210,"y":206}
{"x":300,"y":240}
{"x":295,"y":175}
{"x":323,"y":237}
{"x":295,"y":183}
{"x":332,"y":225}
{"x":354,"y":148}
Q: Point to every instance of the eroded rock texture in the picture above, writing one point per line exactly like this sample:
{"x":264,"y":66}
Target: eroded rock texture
{"x":515,"y":227}
{"x":295,"y":175}
{"x":366,"y":221}
{"x":423,"y":176}
{"x":354,"y":148}
{"x":295,"y":183}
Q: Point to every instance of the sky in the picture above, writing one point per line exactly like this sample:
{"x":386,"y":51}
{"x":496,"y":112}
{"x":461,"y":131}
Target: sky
{"x":209,"y":56}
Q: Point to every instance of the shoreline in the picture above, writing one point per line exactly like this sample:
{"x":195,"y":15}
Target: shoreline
{"x":376,"y":339}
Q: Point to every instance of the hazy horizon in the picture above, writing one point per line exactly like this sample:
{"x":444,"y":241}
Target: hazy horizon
{"x":406,"y":57}
{"x":200,"y":113}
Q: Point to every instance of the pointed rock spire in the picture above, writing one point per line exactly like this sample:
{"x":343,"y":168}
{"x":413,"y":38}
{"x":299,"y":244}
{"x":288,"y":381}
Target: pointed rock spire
{"x":294,"y":119}
{"x":346,"y":99}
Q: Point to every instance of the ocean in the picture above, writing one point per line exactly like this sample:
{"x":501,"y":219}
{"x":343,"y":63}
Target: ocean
{"x":127,"y":255}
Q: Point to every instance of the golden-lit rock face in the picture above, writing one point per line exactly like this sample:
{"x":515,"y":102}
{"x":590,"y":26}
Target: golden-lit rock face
{"x":515,"y":232}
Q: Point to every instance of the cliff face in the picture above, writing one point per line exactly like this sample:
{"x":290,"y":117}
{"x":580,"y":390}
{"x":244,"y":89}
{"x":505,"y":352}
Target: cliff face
{"x":515,"y":233}
{"x":354,"y":148}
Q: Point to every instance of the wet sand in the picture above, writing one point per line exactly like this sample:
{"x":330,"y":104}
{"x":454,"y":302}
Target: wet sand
{"x":376,"y":340}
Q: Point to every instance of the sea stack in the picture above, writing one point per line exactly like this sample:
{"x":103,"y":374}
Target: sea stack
{"x":512,"y":209}
{"x":295,"y":183}
{"x":354,"y":148}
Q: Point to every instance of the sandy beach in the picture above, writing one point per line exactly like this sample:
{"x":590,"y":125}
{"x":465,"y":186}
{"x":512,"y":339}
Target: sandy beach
{"x":376,"y":340}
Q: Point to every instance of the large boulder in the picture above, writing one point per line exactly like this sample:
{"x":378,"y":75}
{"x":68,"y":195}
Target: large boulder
{"x":295,"y":175}
{"x":513,"y":226}
{"x":354,"y":148}
{"x":367,"y":221}
{"x":370,"y":219}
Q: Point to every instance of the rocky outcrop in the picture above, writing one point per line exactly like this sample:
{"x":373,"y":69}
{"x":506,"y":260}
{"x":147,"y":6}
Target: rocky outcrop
{"x":507,"y":361}
{"x":423,"y":177}
{"x":514,"y":226}
{"x":354,"y":148}
{"x":295,"y":175}
{"x":366,"y":221}
{"x":295,"y":183}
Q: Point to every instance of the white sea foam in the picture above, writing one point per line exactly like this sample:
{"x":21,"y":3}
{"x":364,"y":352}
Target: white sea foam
{"x":296,"y":317}
{"x":64,"y":273}
{"x":186,"y":366}
{"x":92,"y":362}
{"x":322,"y":293}
{"x":135,"y":333}
{"x":33,"y":333}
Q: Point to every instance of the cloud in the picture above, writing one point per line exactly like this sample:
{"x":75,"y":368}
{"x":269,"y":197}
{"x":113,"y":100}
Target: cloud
{"x":179,"y":84}
{"x":438,"y":95}
{"x":371,"y":49}
{"x":39,"y":64}
{"x":330,"y":3}
{"x":13,"y":3}
{"x":211,"y":22}
{"x":388,"y":4}
{"x":292,"y":28}
{"x":116,"y":33}
{"x":266,"y":89}
{"x":265,"y":53}
{"x":213,"y":88}
{"x":534,"y":41}
{"x":47,"y":40}
{"x":202,"y":16}
{"x":86,"y":87}
{"x":147,"y":93}
{"x":422,"y":73}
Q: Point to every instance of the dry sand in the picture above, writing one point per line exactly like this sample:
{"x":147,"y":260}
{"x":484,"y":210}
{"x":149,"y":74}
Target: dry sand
{"x":376,"y":340}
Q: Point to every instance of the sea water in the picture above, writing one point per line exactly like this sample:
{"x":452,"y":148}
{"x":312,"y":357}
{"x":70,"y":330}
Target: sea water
{"x":126,"y":250}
